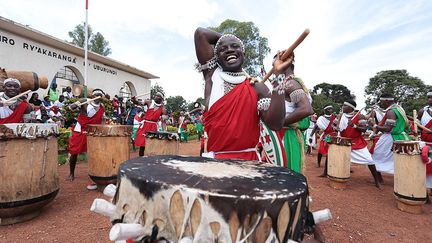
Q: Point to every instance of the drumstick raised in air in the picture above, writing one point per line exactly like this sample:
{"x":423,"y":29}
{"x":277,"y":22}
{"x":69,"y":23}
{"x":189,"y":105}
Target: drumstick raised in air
{"x":142,"y":94}
{"x":289,"y":51}
{"x":86,"y":102}
{"x":17,"y":96}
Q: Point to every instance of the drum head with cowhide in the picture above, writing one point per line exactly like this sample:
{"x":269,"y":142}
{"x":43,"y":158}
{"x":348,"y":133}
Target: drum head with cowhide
{"x":212,"y":200}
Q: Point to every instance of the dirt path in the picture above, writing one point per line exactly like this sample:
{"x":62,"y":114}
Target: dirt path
{"x":362,"y":213}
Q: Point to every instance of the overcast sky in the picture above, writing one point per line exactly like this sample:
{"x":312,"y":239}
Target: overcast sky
{"x":350,"y":40}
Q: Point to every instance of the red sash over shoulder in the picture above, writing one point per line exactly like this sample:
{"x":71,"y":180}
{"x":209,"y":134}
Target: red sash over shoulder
{"x":232,"y":123}
{"x":426,"y":136}
{"x":17,"y":115}
{"x":78,"y":140}
{"x":152,"y":116}
{"x":323,"y":147}
{"x":357,"y":140}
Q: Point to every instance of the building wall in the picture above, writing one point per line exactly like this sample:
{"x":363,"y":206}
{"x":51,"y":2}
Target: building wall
{"x":22,"y":54}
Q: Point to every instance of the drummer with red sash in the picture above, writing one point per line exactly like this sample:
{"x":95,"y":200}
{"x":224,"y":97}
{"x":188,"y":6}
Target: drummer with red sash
{"x":425,"y":117}
{"x":14,"y":111}
{"x":91,"y":113}
{"x":351,"y":125}
{"x":324,"y":123}
{"x":234,"y":102}
{"x":148,"y":122}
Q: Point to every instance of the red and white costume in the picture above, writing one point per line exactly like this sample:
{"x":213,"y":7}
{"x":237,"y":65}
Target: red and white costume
{"x":426,"y":120}
{"x":148,"y":123}
{"x":7,"y":115}
{"x":232,"y":121}
{"x":78,"y":140}
{"x":325,"y":123}
{"x":359,"y":152}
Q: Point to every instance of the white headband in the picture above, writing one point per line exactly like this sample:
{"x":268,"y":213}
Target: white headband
{"x":97,"y":92}
{"x":386,"y":99}
{"x":329,"y":106}
{"x":12,"y":80}
{"x":429,"y":94}
{"x":349,"y":104}
{"x":224,"y":37}
{"x":160,"y":94}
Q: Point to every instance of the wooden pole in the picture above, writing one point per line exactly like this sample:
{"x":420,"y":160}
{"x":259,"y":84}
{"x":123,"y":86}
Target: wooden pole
{"x":17,"y":96}
{"x":289,"y":51}
{"x":142,"y":94}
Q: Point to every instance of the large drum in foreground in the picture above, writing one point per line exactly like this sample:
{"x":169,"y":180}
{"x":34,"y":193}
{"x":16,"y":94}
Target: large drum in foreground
{"x":212,"y":200}
{"x":28,"y":170}
{"x":339,"y":161}
{"x":161,"y":143}
{"x":107,"y":148}
{"x":409,"y":177}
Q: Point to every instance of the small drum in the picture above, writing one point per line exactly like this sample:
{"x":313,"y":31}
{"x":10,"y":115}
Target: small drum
{"x":212,"y":200}
{"x":28,"y":170}
{"x":107,"y":148}
{"x":161,"y":143}
{"x":409,"y":177}
{"x":339,"y":161}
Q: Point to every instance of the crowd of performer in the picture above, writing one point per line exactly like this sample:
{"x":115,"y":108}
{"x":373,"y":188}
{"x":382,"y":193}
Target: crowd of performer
{"x":237,"y":108}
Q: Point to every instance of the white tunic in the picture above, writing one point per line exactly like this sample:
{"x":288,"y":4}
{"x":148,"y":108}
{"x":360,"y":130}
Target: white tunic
{"x":383,"y":155}
{"x":425,"y":119}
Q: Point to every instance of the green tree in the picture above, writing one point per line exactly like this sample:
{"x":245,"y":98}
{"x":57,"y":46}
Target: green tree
{"x":321,"y":100}
{"x":176,"y":103}
{"x":256,"y":46}
{"x":409,"y":91}
{"x":156,"y":88}
{"x":100,"y":45}
{"x":191,"y":105}
{"x":97,"y":42}
{"x":338,"y":93}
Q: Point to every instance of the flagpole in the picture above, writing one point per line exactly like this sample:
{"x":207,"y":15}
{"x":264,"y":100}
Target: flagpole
{"x":86,"y":51}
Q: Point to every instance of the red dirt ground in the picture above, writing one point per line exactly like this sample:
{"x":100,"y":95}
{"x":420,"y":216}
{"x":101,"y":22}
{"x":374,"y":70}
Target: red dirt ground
{"x":361,"y":213}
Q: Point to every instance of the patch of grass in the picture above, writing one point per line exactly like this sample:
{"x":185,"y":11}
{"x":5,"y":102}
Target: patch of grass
{"x":64,"y":156}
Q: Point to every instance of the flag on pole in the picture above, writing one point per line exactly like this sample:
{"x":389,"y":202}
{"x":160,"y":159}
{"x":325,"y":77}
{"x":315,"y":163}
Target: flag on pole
{"x":86,"y":50}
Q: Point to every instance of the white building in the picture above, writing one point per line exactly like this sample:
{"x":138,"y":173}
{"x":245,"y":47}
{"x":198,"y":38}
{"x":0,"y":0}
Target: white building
{"x":26,"y":49}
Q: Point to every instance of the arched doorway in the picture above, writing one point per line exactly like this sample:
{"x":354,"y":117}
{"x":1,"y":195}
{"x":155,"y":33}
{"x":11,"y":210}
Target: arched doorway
{"x":67,"y":76}
{"x":127,"y":91}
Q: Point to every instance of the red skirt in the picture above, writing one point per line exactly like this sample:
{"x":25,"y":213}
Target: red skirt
{"x":323,"y":147}
{"x":77,"y":143}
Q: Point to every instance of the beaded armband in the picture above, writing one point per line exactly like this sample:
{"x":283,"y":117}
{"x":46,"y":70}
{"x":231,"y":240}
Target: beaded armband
{"x":296,"y":95}
{"x":390,"y":122}
{"x":210,"y":64}
{"x":263,"y":104}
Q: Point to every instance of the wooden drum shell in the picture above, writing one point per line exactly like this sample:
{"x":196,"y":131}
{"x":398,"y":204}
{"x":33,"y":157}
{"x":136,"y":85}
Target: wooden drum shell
{"x":409,"y":176}
{"x":158,"y":143}
{"x":32,"y":179}
{"x":107,"y":148}
{"x":339,"y":160}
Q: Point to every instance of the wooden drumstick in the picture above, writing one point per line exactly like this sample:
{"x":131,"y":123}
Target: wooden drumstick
{"x":418,"y":124}
{"x":142,"y":94}
{"x":415,"y":125}
{"x":17,"y":96}
{"x":289,"y":51}
{"x":86,"y":102}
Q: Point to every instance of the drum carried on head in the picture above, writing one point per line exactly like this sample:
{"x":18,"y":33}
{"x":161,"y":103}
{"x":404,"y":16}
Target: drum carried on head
{"x":210,"y":200}
{"x":409,"y":176}
{"x":162,"y":143}
{"x":339,"y":161}
{"x":107,"y":148}
{"x":28,"y":168}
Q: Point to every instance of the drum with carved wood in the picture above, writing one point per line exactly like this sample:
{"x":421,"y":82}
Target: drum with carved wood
{"x":409,"y":176}
{"x":211,"y":200}
{"x":28,"y":170}
{"x":339,"y":161}
{"x":107,"y":148}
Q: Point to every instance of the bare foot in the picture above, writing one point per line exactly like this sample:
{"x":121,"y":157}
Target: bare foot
{"x":70,"y":178}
